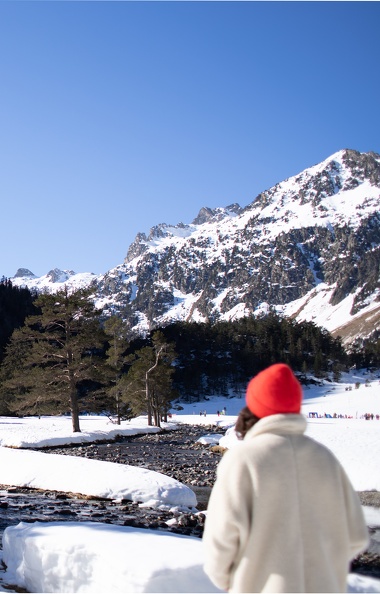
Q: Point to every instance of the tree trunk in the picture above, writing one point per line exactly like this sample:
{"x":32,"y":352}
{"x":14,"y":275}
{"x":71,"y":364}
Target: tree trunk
{"x":147,"y":393}
{"x":74,"y":413}
{"x":74,"y":404}
{"x":148,"y":403}
{"x":118,"y":409}
{"x":157,"y":419}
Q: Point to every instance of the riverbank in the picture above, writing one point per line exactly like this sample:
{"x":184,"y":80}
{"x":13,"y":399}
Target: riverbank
{"x":176,"y":453}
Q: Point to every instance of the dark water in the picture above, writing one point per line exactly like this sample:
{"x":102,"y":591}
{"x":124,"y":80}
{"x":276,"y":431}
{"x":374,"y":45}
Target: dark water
{"x":21,"y":505}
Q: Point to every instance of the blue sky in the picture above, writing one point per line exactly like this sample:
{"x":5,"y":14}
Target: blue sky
{"x":117,"y":116}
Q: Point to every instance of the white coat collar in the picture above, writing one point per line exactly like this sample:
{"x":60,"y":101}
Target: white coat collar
{"x":281,"y":423}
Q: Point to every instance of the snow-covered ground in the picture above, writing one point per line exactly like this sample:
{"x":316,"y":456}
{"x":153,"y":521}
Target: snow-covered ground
{"x":94,"y":557}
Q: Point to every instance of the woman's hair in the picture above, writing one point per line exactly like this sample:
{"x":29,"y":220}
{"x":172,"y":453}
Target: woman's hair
{"x":245,"y":421}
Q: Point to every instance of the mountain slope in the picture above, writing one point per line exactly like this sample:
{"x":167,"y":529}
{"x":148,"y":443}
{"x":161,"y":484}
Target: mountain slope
{"x":308,"y":247}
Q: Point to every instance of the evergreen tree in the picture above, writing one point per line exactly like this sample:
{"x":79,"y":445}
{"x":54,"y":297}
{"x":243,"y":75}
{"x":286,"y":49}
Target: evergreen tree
{"x":116,"y":330}
{"x":148,"y":384}
{"x":15,"y":304}
{"x":48,"y":359}
{"x":161,"y":391}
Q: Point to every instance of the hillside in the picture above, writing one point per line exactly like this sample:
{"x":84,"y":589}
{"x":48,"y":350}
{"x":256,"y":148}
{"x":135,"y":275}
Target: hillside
{"x":308,"y":247}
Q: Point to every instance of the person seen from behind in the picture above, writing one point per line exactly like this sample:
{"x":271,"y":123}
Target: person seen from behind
{"x":283,"y":515}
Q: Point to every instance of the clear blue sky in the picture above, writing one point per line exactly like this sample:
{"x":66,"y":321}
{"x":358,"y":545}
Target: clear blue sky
{"x":117,"y":116}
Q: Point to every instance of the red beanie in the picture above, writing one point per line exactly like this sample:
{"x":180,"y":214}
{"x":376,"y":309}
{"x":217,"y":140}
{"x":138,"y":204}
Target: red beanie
{"x":274,"y":390}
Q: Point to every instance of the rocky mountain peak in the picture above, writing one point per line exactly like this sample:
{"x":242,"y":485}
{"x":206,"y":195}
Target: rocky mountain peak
{"x":363,"y":166}
{"x":208,"y":215}
{"x":59,"y":276}
{"x":24,"y":273}
{"x":137,"y":247}
{"x":309,"y":248}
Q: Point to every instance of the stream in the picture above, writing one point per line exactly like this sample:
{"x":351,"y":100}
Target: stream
{"x":176,"y":454}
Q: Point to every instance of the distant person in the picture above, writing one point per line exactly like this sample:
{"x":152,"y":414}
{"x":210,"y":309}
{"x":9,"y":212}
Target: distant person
{"x":283,"y":515}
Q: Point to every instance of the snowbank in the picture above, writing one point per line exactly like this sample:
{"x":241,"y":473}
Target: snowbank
{"x":88,"y":557}
{"x":39,"y":432}
{"x":107,"y":480}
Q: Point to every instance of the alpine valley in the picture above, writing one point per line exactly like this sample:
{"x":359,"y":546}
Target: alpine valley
{"x":308,"y":248}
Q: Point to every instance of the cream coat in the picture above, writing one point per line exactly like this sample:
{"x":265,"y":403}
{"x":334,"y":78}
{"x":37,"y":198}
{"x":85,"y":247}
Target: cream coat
{"x":282,"y":516}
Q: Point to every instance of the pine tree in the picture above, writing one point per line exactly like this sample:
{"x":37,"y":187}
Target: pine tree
{"x":15,"y":304}
{"x":148,"y":384}
{"x":52,"y":354}
{"x":116,"y":330}
{"x":161,"y":391}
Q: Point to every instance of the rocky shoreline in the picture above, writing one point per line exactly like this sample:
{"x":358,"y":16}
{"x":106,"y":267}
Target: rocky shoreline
{"x":174,"y":453}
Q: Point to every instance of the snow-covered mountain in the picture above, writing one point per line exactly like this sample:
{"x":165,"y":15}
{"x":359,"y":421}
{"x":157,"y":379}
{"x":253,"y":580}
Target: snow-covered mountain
{"x":309,"y":247}
{"x":54,"y":280}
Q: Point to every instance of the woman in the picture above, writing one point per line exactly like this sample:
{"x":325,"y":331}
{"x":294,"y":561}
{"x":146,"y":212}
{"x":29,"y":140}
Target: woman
{"x":282,"y":516}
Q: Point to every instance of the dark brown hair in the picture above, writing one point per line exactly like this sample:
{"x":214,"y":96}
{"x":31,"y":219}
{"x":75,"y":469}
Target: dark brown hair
{"x":245,"y":421}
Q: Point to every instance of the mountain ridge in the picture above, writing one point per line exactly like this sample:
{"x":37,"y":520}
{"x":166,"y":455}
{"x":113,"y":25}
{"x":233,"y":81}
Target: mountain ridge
{"x":313,"y":235}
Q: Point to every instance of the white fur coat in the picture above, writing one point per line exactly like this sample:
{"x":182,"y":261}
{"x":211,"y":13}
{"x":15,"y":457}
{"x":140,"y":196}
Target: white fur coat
{"x":282,"y":516}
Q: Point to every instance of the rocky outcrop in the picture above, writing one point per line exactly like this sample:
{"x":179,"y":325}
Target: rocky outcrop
{"x":24,"y":272}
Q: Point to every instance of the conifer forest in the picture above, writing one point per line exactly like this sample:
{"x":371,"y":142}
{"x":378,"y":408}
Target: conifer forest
{"x":59,"y":356}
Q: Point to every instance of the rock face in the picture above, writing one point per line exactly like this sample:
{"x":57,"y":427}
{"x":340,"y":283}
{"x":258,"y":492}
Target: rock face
{"x":317,"y":231}
{"x":59,"y":276}
{"x":320,"y":228}
{"x":24,"y":272}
